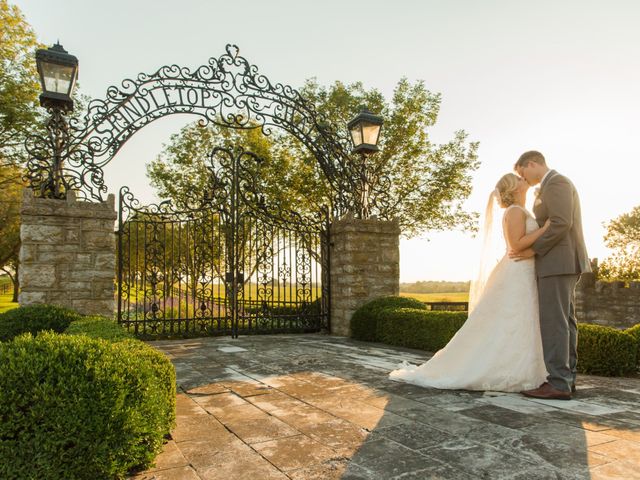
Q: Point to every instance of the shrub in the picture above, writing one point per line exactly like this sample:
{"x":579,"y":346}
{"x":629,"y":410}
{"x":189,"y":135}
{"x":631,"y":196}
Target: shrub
{"x":33,"y":319}
{"x":81,"y":408}
{"x":365,"y":320}
{"x":98,"y":327}
{"x":605,"y":350}
{"x":422,"y":329}
{"x":635,"y":332}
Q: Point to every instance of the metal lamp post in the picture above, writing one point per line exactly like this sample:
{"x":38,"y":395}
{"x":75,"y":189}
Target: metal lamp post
{"x":58,"y":72}
{"x":365,"y":133}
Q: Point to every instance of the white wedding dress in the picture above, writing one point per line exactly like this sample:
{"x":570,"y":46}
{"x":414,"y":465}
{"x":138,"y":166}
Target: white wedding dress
{"x":499,"y":346}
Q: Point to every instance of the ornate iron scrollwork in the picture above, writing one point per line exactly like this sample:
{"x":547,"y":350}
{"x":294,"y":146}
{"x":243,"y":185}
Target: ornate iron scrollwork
{"x":227,"y":265}
{"x":227,"y":91}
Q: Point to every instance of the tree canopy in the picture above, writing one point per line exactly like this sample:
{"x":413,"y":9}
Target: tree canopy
{"x":428,"y":182}
{"x":19,"y":86}
{"x":19,"y":116}
{"x":623,"y":237}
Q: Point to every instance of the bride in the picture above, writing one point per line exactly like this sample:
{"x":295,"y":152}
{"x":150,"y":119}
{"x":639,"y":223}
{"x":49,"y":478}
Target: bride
{"x":499,"y":346}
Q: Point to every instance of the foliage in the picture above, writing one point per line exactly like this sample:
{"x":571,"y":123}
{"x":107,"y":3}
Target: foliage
{"x":18,"y":84}
{"x":10,"y":200}
{"x":439,"y":297}
{"x":422,"y":329}
{"x":34,"y":319}
{"x":623,"y":236}
{"x":181,"y":173}
{"x":434,"y":287}
{"x":18,"y":117}
{"x":364,"y":322}
{"x":606,"y":351}
{"x":98,"y":327}
{"x":635,"y":332}
{"x":601,"y":350}
{"x":429,"y":182}
{"x":77,"y":407}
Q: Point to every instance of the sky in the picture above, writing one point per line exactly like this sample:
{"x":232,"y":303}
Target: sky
{"x":561,"y":77}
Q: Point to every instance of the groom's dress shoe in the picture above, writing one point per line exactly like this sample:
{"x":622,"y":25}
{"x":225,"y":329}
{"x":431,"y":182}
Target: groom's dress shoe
{"x":573,"y":388}
{"x":548,"y":392}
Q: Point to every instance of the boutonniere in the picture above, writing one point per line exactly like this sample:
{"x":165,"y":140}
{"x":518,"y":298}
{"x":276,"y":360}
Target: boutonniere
{"x":538,"y":199}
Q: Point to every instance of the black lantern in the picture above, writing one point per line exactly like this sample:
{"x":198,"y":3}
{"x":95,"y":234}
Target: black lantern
{"x":58,"y":73}
{"x":365,"y":131}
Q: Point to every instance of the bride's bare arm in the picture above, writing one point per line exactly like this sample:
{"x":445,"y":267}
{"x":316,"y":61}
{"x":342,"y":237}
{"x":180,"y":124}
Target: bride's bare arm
{"x":515,"y":230}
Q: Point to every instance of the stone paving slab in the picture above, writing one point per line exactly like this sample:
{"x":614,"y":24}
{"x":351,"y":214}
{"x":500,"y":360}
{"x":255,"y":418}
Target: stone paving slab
{"x":316,"y":407}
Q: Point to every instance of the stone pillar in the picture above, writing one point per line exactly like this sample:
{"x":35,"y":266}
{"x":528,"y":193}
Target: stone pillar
{"x":364,"y":264}
{"x":68,"y":254}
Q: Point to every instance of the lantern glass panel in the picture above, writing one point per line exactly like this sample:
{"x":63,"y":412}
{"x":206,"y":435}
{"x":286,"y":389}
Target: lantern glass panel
{"x":356,"y":135}
{"x":57,"y":78}
{"x":370,"y":133}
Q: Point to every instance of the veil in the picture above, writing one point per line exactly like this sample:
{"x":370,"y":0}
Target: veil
{"x":492,"y":250}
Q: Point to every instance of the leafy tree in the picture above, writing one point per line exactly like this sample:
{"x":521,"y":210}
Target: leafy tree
{"x":10,"y":197}
{"x":19,"y":116}
{"x":623,"y":236}
{"x":441,"y":286}
{"x":428,"y":182}
{"x":19,"y":86}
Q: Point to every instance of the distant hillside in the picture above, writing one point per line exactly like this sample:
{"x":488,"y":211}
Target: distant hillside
{"x":434,"y":287}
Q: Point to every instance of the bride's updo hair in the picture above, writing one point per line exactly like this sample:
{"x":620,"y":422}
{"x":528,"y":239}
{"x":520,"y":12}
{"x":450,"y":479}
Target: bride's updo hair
{"x":507,"y":187}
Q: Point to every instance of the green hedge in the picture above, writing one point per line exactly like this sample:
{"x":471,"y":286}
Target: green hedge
{"x":422,"y":329}
{"x":405,"y":322}
{"x":635,"y":332}
{"x":364,"y":322}
{"x":33,"y":319}
{"x":98,"y":327}
{"x":606,"y":350}
{"x":74,"y":407}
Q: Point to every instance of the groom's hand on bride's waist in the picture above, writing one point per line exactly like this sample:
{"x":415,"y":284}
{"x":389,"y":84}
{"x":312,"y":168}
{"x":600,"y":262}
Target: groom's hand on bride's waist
{"x":522,"y":255}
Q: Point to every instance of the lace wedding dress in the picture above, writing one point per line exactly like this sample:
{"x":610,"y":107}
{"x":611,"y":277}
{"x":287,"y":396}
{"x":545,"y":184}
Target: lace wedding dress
{"x":499,"y":346}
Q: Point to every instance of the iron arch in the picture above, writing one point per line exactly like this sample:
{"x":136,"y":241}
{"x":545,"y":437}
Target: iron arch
{"x":227,"y":91}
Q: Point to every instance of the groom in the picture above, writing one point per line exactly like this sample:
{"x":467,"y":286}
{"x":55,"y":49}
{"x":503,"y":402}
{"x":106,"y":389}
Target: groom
{"x":561,"y":256}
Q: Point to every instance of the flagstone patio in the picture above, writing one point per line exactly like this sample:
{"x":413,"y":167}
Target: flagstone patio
{"x":320,"y":407}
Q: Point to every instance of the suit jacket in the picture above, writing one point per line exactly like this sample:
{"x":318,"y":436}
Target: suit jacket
{"x":561,"y":249}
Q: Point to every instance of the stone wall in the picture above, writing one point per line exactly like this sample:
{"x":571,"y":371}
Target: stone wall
{"x":364,"y":264}
{"x":68,"y":254}
{"x":607,"y":303}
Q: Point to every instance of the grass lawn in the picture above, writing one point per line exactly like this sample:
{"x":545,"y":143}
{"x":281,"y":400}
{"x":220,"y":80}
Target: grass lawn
{"x":6,"y":303}
{"x":438,"y":297}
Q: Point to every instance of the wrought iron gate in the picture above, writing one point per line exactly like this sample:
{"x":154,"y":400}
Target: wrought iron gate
{"x":234,"y":264}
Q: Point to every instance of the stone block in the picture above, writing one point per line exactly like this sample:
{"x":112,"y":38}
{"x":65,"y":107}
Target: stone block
{"x":81,"y":275}
{"x":31,"y":298}
{"x":92,"y":241}
{"x":105,"y":261}
{"x":84,"y":259}
{"x":37,"y":276}
{"x":94,"y":307}
{"x":73,"y":287}
{"x":104,"y":274}
{"x":72,"y":235}
{"x":41,"y":234}
{"x":28,"y":253}
{"x":54,"y":258}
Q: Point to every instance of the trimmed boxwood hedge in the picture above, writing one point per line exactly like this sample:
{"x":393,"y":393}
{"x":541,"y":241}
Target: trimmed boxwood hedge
{"x":93,"y":403}
{"x":635,"y":332}
{"x":606,"y":351}
{"x":98,"y":327}
{"x":82,"y":408}
{"x":364,"y":320}
{"x":33,"y":319}
{"x":422,"y":329}
{"x":396,"y":321}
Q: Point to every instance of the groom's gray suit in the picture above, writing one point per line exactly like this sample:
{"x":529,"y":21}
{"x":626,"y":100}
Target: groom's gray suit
{"x":561,"y":256}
